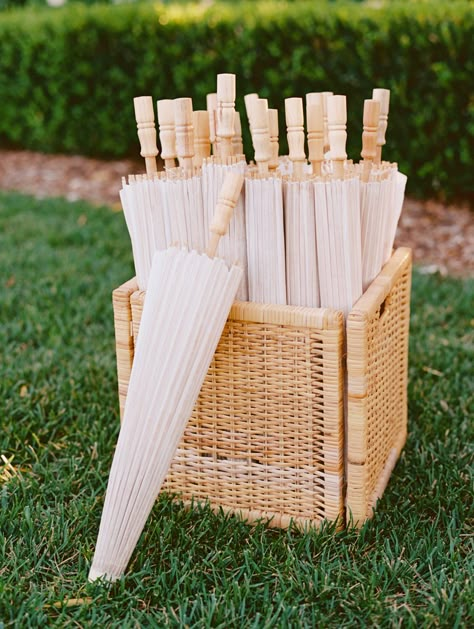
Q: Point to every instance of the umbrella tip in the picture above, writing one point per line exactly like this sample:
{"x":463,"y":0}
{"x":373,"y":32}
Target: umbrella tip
{"x":101,"y":575}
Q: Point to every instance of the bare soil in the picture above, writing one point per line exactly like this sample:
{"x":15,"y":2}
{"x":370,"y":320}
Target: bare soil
{"x":441,"y":236}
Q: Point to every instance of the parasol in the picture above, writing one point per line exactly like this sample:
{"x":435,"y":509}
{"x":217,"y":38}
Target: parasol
{"x":187,"y":303}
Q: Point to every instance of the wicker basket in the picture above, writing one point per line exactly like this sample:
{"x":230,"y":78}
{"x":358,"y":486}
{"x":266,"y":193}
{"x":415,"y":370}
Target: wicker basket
{"x":269,"y":437}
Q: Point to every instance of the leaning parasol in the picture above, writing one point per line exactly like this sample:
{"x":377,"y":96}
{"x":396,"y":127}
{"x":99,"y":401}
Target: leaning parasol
{"x":187,"y":303}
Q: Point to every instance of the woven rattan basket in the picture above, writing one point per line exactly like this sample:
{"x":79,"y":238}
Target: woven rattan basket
{"x":269,"y":436}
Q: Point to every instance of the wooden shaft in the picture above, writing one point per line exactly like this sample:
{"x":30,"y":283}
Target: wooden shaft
{"x":183,"y":112}
{"x":337,"y":118}
{"x":226,"y":202}
{"x":145,"y":117}
{"x":167,"y":131}
{"x":225,"y":113}
{"x":295,"y":131}
{"x":261,"y":135}
{"x":315,"y":127}
{"x":369,"y":135}
{"x":237,"y":143}
{"x":383,"y":96}
{"x":202,"y":144}
{"x":274,"y":145}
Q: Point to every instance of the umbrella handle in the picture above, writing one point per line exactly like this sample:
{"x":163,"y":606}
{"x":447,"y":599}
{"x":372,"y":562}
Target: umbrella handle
{"x":225,"y":113}
{"x":274,"y":146}
{"x":145,"y":117}
{"x":211,"y":106}
{"x":165,"y":109}
{"x":183,"y":119}
{"x":228,"y":197}
{"x":383,"y":96}
{"x":295,"y":132}
{"x":369,"y":136}
{"x":237,"y":143}
{"x":202,"y":142}
{"x":337,"y":119}
{"x":326,"y":95}
{"x":315,"y":124}
{"x":249,"y":100}
{"x":261,"y":134}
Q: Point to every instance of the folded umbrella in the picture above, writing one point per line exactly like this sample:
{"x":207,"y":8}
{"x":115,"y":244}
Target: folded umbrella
{"x":264,"y":215}
{"x":302,"y":283}
{"x":187,"y":303}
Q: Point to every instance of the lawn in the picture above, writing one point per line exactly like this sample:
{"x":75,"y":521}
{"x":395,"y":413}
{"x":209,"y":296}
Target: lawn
{"x":412,"y":564}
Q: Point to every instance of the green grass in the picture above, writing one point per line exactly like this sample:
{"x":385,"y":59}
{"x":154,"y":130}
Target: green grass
{"x":410,"y":565}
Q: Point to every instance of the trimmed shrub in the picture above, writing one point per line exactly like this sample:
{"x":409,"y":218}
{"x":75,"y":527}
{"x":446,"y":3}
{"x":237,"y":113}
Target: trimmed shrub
{"x":68,"y":76}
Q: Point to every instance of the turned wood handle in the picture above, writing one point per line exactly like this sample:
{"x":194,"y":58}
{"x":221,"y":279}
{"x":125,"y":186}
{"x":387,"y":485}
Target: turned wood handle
{"x":202,"y":143}
{"x":274,"y":144}
{"x":211,"y":104}
{"x":145,"y":117}
{"x":226,"y":202}
{"x":237,"y":143}
{"x":249,"y":100}
{"x":183,"y":119}
{"x":225,"y":113}
{"x":383,"y":96}
{"x":261,"y":134}
{"x":326,"y":95}
{"x":315,"y":129}
{"x":295,"y":130}
{"x":337,"y":119}
{"x":369,"y":135}
{"x":167,"y":131}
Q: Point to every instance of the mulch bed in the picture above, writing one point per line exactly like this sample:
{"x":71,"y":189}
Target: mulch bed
{"x":441,"y":236}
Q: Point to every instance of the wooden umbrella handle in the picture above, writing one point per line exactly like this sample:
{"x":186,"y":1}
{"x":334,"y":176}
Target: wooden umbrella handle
{"x":249,"y":100}
{"x":261,"y":134}
{"x":326,"y":95}
{"x":202,"y":143}
{"x":369,"y":135}
{"x":183,"y":118}
{"x":315,"y":129}
{"x":211,"y":105}
{"x":383,"y":96}
{"x":228,"y":197}
{"x":237,"y":143}
{"x":295,"y":131}
{"x":145,"y":117}
{"x":337,"y":119}
{"x":274,"y":145}
{"x":225,"y":113}
{"x":165,"y":109}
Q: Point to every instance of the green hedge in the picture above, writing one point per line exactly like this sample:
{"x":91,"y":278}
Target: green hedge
{"x":68,"y":76}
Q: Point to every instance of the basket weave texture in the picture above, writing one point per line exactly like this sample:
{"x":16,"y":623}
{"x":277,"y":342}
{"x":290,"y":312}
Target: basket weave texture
{"x":268,"y":437}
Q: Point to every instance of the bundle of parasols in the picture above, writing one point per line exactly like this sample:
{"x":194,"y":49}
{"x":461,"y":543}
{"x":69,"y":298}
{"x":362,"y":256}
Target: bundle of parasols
{"x":305,"y":229}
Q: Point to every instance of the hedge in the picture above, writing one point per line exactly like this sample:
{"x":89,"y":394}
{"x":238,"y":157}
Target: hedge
{"x":68,"y":76}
